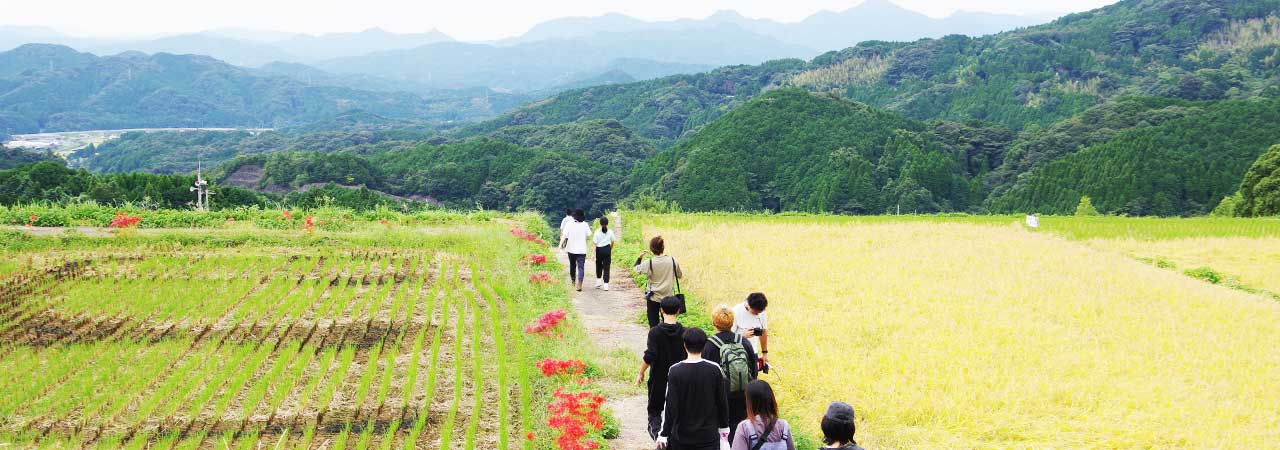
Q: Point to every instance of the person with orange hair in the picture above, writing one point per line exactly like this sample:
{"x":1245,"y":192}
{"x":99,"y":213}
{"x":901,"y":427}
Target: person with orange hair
{"x":737,"y":360}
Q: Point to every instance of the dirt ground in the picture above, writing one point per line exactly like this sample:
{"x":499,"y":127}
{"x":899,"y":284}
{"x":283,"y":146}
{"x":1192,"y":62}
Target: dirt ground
{"x":609,"y":317}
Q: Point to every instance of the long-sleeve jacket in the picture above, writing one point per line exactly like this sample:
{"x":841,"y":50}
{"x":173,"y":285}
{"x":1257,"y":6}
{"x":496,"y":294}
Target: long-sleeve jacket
{"x":696,"y":411}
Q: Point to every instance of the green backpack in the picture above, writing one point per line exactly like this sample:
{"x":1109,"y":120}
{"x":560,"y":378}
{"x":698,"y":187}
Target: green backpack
{"x":733,"y":362}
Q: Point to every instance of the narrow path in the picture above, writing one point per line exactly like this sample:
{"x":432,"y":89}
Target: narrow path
{"x":609,"y":317}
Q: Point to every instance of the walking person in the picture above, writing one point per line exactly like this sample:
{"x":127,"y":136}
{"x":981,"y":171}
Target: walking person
{"x":576,"y":234}
{"x":737,"y":360}
{"x":838,"y":427}
{"x":696,"y":416}
{"x":762,"y":430}
{"x":663,"y":348}
{"x":750,"y":321}
{"x":564,"y":223}
{"x":603,"y":241}
{"x":664,"y":277}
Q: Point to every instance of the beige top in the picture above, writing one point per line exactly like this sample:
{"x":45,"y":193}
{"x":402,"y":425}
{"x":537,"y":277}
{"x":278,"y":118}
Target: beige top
{"x":662,"y":276}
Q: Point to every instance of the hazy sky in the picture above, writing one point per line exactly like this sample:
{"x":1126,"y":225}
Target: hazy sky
{"x":462,"y":19}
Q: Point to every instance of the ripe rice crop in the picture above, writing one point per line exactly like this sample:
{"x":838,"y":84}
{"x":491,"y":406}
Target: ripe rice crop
{"x":1253,"y":262}
{"x":954,"y":335}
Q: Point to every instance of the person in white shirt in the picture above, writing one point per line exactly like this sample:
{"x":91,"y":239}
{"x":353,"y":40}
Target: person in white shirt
{"x":575,"y":238}
{"x":603,"y":241}
{"x":564,"y":223}
{"x":750,"y":321}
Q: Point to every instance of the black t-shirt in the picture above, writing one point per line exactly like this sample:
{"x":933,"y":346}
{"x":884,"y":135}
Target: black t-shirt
{"x":696,"y":407}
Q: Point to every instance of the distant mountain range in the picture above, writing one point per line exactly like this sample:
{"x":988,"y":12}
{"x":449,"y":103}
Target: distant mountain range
{"x":567,"y":51}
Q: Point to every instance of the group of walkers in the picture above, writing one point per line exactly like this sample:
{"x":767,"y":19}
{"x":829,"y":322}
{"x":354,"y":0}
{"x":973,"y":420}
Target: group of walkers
{"x":703,"y":391}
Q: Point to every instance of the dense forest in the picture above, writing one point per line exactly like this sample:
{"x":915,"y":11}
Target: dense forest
{"x":791,"y":150}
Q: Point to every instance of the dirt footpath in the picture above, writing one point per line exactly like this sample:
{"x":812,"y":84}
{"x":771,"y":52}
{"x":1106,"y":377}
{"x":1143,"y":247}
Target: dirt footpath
{"x":610,"y":320}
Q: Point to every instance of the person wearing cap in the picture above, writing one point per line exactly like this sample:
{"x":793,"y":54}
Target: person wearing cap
{"x":838,"y":427}
{"x":696,"y":416}
{"x":664,"y":348}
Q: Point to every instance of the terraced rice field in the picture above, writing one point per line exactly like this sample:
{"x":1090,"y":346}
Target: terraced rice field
{"x":267,"y":347}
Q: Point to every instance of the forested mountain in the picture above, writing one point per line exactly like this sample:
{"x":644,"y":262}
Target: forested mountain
{"x":1196,"y":155}
{"x":182,"y":151}
{"x":54,"y":88}
{"x":1190,"y":49}
{"x":544,"y":64}
{"x":663,"y":110}
{"x":14,"y":157}
{"x":796,"y":151}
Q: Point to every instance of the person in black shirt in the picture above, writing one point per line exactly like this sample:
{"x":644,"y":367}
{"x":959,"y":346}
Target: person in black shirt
{"x":664,"y":348}
{"x":696,"y":416}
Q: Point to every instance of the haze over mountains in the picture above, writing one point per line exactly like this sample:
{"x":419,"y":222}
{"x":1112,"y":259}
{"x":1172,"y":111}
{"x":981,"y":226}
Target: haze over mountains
{"x":559,"y":52}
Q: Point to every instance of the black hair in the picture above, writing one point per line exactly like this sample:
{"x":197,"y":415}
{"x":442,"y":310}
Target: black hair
{"x":579,"y":215}
{"x":757,"y":301}
{"x":672,"y":305}
{"x":604,"y":224}
{"x":761,"y":402}
{"x":568,"y":211}
{"x":837,"y":432}
{"x":695,"y":340}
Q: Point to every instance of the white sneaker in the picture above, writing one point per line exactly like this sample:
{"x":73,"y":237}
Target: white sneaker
{"x":598,"y":284}
{"x":606,"y":286}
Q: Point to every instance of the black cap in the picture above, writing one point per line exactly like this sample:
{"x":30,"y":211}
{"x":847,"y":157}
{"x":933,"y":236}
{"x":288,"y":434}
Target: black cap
{"x":839,"y":412}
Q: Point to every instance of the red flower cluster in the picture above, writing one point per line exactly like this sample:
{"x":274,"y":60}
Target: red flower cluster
{"x":547,"y":324}
{"x":309,"y":224}
{"x":537,"y":259}
{"x":555,"y":367}
{"x":541,"y":278}
{"x":385,"y":223}
{"x":528,"y":236}
{"x":575,"y":414}
{"x":287,"y":215}
{"x":32,"y":220}
{"x":123,"y":220}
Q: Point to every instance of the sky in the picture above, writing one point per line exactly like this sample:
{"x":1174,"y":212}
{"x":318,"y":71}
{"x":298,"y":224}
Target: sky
{"x":470,"y":20}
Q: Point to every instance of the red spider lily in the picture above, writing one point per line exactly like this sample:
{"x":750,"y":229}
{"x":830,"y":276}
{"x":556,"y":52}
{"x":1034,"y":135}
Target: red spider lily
{"x":123,"y":220}
{"x":385,"y":223}
{"x":528,"y":236}
{"x":529,"y":437}
{"x":537,"y":259}
{"x":309,"y":224}
{"x":287,"y":215}
{"x":541,"y":278}
{"x":557,"y":367}
{"x":546,"y":325}
{"x":33,"y":219}
{"x":575,"y":414}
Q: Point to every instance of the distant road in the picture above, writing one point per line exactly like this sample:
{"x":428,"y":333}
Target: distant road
{"x":64,"y":143}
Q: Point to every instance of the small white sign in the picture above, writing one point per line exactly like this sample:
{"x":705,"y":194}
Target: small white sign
{"x":1033,"y":221}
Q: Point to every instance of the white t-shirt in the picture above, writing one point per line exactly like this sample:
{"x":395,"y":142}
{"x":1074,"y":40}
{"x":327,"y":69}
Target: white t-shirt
{"x":577,"y":234}
{"x":564,"y":223}
{"x":743,"y":320}
{"x":603,"y":239}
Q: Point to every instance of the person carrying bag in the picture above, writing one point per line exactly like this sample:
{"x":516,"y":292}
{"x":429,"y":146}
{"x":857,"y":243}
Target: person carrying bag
{"x":664,"y":278}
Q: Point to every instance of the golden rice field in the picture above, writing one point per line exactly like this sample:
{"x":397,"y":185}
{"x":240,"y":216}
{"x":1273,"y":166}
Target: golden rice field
{"x":957,"y":335}
{"x":1255,"y":262}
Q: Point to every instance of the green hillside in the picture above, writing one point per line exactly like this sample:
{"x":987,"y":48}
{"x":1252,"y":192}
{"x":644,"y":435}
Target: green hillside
{"x":1183,"y":165}
{"x":791,"y":150}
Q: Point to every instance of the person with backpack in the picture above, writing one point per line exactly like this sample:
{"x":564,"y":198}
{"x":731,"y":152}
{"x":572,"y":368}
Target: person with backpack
{"x":603,"y":241}
{"x":664,"y":278}
{"x":737,"y":359}
{"x":838,"y":427}
{"x":574,"y":243}
{"x":696,"y":416}
{"x":762,"y":430}
{"x":664,"y":348}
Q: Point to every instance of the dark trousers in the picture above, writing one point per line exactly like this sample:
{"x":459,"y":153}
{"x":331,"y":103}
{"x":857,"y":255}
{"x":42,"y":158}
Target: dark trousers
{"x":653,"y":311}
{"x":737,"y":411}
{"x":577,"y":267}
{"x":604,"y":260}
